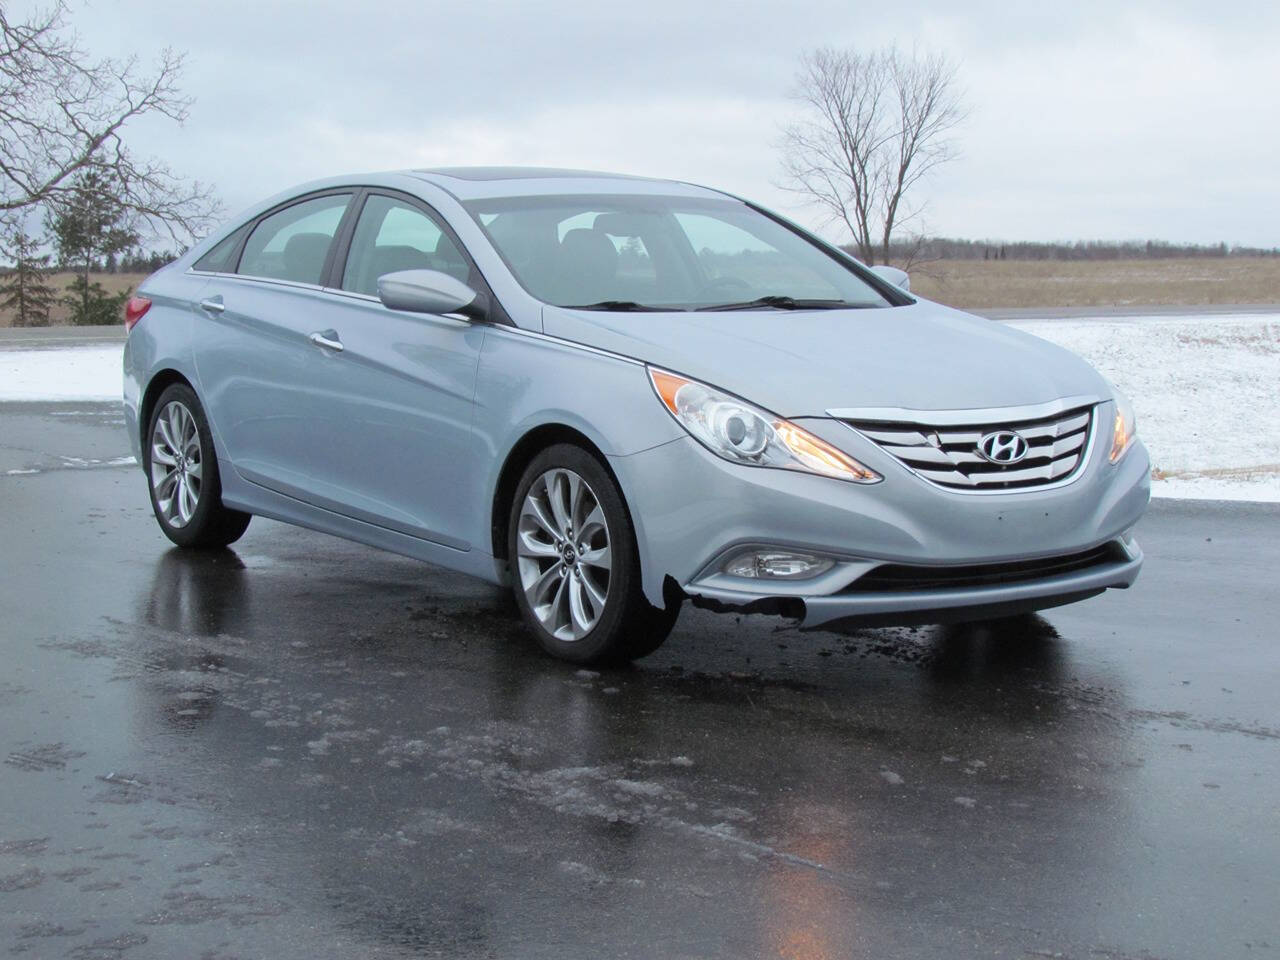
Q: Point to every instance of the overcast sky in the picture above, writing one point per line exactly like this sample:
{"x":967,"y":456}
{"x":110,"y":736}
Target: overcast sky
{"x":1089,"y":120}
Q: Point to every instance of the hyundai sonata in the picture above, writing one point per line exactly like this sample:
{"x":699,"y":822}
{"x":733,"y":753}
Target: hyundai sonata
{"x":615,"y":394}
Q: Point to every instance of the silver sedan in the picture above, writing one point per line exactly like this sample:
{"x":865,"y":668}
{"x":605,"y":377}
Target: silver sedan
{"x":616,"y":394}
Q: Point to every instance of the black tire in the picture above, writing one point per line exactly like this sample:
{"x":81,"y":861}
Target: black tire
{"x":209,"y":524}
{"x":628,"y":626}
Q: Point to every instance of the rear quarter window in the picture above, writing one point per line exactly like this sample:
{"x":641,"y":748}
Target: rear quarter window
{"x":221,"y":259}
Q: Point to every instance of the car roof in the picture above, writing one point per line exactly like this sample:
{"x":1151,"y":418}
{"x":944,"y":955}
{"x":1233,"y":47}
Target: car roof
{"x":473,"y":183}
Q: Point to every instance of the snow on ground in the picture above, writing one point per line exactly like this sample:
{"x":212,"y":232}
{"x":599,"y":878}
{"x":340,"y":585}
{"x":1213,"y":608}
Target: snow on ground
{"x":1206,"y":390}
{"x":73,"y":373}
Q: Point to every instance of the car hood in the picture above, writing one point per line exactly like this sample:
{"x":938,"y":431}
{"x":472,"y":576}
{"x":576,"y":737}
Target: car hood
{"x":802,"y":363}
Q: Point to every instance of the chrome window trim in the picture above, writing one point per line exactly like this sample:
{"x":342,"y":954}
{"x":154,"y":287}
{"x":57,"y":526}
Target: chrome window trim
{"x":276,"y":281}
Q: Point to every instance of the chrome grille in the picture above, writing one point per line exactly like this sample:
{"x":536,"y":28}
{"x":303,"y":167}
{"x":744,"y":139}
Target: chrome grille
{"x":948,"y":454}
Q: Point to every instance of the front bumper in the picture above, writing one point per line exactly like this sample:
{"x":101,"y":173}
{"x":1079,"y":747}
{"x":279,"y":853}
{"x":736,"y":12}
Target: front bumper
{"x":691,"y":510}
{"x":940,"y":604}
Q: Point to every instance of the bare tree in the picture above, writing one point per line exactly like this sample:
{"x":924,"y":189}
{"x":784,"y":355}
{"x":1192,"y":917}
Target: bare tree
{"x":62,"y":113}
{"x":873,"y":125}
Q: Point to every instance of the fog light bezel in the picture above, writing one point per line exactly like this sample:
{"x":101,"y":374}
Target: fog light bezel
{"x":751,"y":557}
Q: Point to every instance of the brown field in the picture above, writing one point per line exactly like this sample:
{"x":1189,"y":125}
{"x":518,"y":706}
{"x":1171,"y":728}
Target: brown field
{"x":111,"y":282}
{"x":1024,"y":283}
{"x":1054,"y":283}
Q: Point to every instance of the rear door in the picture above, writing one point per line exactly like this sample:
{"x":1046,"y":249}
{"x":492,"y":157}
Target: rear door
{"x":261,"y":374}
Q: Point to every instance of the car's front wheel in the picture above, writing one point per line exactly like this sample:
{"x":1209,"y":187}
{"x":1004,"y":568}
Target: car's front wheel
{"x":182,"y":469}
{"x":574,"y":563}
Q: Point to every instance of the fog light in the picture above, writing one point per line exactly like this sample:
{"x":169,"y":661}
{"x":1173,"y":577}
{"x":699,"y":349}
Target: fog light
{"x":776,"y":565}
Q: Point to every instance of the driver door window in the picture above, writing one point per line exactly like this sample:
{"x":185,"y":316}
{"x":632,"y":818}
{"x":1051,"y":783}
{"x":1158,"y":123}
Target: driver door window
{"x":393,"y":235}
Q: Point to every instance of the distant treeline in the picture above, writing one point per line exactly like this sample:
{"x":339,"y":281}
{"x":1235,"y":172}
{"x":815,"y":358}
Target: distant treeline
{"x":944,"y":248}
{"x":136,"y":263}
{"x":129,"y":263}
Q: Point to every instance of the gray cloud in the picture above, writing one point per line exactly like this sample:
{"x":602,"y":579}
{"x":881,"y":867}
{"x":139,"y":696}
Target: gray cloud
{"x":1088,"y":120}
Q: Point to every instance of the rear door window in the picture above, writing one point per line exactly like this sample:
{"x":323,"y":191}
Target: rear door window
{"x":293,"y":243}
{"x":392,"y":235}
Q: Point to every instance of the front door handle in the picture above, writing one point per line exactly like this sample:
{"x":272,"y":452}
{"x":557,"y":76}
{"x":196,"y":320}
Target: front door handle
{"x":213,"y":304}
{"x":327,"y":339}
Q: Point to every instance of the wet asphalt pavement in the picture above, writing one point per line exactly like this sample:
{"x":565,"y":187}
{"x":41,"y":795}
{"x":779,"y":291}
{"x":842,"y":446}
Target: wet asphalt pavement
{"x":306,"y":748}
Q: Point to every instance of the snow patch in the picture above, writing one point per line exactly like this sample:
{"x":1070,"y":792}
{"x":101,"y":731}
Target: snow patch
{"x":1205,"y":392}
{"x":73,"y":373}
{"x":640,"y":788}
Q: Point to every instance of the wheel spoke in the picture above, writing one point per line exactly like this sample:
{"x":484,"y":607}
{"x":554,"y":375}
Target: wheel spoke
{"x":537,"y":590}
{"x":161,"y":454}
{"x":530,"y":546}
{"x":166,"y":435}
{"x":583,"y":620}
{"x":557,"y":616}
{"x":593,"y":522}
{"x":576,"y":488}
{"x":601,"y":559}
{"x":194,"y":470}
{"x":557,"y":501}
{"x":190,"y":434}
{"x":596,"y":595}
{"x":165,"y":488}
{"x":176,"y":438}
{"x":535,"y":511}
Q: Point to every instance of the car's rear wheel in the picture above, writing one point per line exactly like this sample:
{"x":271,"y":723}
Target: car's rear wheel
{"x":182,"y":471}
{"x":574,"y":563}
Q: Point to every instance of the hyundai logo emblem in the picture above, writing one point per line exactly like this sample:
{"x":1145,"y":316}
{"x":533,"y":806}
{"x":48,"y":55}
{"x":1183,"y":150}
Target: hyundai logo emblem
{"x":1003,"y":447}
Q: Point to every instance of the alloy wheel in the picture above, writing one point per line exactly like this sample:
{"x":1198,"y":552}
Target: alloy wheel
{"x":176,"y":464}
{"x":564,"y":554}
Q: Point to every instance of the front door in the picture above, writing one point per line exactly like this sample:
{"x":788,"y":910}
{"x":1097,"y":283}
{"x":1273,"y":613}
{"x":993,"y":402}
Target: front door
{"x":397,"y":388}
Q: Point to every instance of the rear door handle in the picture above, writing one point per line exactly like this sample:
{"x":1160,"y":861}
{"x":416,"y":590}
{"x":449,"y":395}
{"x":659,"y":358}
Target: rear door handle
{"x":327,"y":339}
{"x":213,"y":304}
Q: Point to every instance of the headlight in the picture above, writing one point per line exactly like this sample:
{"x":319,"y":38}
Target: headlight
{"x":1126,"y":426}
{"x":741,"y":433}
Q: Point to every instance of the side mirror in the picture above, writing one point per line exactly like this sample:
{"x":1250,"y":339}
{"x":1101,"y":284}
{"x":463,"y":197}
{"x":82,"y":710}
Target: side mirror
{"x":429,"y":291}
{"x":899,"y":278}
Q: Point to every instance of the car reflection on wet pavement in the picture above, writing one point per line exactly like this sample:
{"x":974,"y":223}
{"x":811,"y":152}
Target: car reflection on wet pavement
{"x":301,"y":747}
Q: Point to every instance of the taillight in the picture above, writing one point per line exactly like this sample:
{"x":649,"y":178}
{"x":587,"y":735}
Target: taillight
{"x":133,"y":311}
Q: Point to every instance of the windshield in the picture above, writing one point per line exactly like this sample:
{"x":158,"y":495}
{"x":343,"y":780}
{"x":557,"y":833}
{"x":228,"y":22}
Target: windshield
{"x":668,"y":253}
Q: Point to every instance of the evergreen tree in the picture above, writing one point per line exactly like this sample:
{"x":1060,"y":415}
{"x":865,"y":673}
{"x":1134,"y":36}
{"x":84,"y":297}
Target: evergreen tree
{"x":89,"y":225}
{"x":25,"y":291}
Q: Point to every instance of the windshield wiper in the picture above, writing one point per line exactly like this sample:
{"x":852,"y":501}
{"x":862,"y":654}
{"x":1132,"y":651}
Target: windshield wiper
{"x":619,"y":306}
{"x":785,"y":303}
